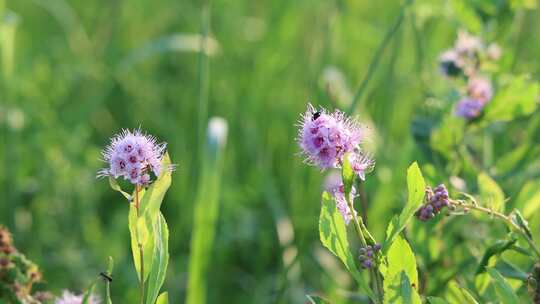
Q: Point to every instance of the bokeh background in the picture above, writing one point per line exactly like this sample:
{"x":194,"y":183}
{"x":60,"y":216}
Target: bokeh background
{"x":76,"y":72}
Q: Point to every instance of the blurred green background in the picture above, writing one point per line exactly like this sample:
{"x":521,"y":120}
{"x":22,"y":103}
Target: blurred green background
{"x":76,"y":72}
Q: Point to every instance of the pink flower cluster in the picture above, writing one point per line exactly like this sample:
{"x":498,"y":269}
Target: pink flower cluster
{"x":341,"y":203}
{"x":133,"y":156}
{"x":479,"y":93}
{"x":325,"y":138}
{"x":466,"y":59}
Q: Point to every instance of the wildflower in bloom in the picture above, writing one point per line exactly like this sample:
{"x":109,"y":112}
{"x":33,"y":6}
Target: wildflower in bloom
{"x":367,"y":255}
{"x":361,"y":164}
{"x":70,"y":298}
{"x":342,"y":204}
{"x":133,"y":156}
{"x":468,"y":44}
{"x":434,"y":201}
{"x":480,"y":89}
{"x":326,"y":137}
{"x":469,"y":108}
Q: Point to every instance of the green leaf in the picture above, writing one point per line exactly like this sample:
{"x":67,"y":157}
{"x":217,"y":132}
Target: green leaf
{"x":206,"y":212}
{"x":398,"y":290}
{"x":436,"y":300}
{"x":517,"y":97}
{"x":317,"y":300}
{"x":499,"y":247}
{"x":400,"y":270}
{"x":504,"y":290}
{"x":333,"y":234}
{"x":528,"y":198}
{"x":491,"y":194}
{"x":416,"y":188}
{"x":163,"y":298}
{"x":160,"y":260}
{"x":142,"y":223}
{"x":116,"y":187}
{"x":153,"y":196}
{"x":459,"y":295}
{"x":347,"y":175}
{"x":141,"y":232}
{"x":400,"y":258}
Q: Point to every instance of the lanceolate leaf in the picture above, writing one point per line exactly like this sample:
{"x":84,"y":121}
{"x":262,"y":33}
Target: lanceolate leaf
{"x":160,"y":259}
{"x":333,"y":234}
{"x":401,"y":275}
{"x":142,"y":223}
{"x":459,"y":295}
{"x":499,"y":247}
{"x":505,"y":292}
{"x":416,"y":187}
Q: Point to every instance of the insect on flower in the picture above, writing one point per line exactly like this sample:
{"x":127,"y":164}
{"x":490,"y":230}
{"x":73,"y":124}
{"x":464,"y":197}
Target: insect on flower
{"x":326,"y":137}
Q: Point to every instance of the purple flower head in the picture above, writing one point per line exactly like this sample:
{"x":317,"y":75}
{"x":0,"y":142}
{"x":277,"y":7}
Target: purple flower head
{"x":70,"y":298}
{"x":361,"y":164}
{"x":469,"y":108}
{"x":434,"y":201}
{"x":325,"y":137}
{"x":133,"y":156}
{"x":480,"y":89}
{"x":341,"y":203}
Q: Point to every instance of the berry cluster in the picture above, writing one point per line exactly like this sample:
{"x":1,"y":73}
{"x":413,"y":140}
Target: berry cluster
{"x":368,"y":254}
{"x":133,"y":155}
{"x":434,"y":201}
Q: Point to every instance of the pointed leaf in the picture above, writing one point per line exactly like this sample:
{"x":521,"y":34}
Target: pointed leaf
{"x":505,"y":292}
{"x":333,"y":234}
{"x":160,"y":259}
{"x":416,"y":187}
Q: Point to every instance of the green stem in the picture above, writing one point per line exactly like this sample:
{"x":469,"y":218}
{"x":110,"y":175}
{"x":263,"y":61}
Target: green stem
{"x":505,"y":218}
{"x":203,"y":70}
{"x":141,"y":250}
{"x":377,"y":58}
{"x":358,"y":224}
